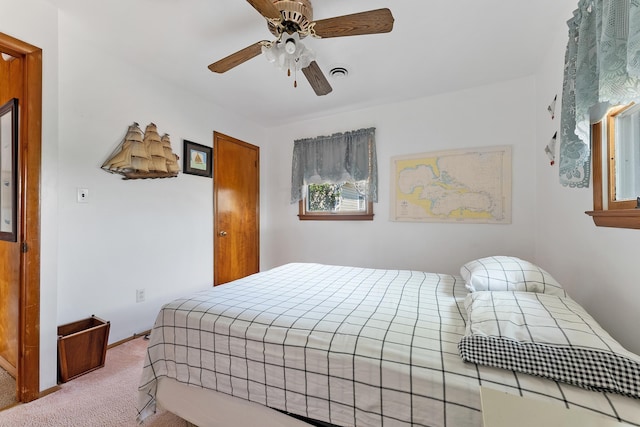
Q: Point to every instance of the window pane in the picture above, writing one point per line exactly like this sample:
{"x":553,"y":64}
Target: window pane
{"x":627,"y":154}
{"x":322,"y":197}
{"x":343,"y":197}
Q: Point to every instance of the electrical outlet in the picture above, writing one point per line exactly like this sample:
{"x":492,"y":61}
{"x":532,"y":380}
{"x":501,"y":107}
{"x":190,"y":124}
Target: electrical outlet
{"x":140,"y":295}
{"x":83,"y":195}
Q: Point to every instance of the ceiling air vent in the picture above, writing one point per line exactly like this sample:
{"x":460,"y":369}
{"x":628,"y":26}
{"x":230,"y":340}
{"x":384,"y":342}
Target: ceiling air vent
{"x":339,"y":72}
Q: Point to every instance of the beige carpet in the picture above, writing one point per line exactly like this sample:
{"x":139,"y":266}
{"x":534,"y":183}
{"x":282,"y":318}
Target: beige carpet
{"x":7,"y":389}
{"x":106,"y":397}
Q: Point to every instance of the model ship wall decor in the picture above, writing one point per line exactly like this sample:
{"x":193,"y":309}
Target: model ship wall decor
{"x":142,"y":156}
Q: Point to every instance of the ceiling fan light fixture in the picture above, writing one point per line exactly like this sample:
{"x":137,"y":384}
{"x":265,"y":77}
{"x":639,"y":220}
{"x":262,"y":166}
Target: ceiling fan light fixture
{"x":290,"y":46}
{"x":290,"y":55}
{"x":269,"y":53}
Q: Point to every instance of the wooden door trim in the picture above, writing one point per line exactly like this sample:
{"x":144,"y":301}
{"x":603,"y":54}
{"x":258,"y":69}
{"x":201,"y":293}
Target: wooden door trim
{"x":216,"y":137}
{"x":30,"y":154}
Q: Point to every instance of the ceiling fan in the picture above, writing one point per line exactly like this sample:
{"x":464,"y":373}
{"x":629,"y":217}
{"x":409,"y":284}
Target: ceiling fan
{"x":292,"y":20}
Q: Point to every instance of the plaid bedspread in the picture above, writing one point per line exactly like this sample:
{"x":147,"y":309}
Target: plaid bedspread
{"x":345,"y":345}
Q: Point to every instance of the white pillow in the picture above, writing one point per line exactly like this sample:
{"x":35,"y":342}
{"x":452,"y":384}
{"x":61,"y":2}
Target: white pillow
{"x":507,"y":273}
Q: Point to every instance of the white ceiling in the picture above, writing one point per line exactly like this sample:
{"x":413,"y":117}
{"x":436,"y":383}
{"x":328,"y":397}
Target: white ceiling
{"x":435,"y":47}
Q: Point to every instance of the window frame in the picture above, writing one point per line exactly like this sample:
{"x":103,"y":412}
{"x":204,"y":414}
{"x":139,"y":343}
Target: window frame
{"x":617,"y":214}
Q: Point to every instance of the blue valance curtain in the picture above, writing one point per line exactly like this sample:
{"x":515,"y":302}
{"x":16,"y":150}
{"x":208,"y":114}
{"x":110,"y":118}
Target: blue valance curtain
{"x":602,"y":68}
{"x":348,"y":156}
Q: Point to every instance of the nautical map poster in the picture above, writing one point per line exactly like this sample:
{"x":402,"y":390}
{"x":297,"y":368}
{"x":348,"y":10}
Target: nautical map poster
{"x":468,"y":185}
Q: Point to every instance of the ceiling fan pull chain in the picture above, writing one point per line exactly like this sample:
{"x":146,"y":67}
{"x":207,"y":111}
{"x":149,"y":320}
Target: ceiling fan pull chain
{"x":295,"y":76}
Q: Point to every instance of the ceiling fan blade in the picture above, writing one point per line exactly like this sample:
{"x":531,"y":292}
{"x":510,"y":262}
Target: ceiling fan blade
{"x":316,"y":79}
{"x":266,"y":8}
{"x":235,"y":59}
{"x":371,"y":22}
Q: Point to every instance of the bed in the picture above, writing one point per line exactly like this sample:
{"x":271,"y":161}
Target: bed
{"x":348,"y":346}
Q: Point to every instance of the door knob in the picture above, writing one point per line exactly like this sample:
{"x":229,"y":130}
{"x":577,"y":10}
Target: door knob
{"x":222,"y":233}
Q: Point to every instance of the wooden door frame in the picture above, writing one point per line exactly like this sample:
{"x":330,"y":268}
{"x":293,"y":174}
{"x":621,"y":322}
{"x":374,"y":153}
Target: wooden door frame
{"x":30,"y":154}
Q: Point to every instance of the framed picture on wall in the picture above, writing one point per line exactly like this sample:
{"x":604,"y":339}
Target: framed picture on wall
{"x":197,"y":159}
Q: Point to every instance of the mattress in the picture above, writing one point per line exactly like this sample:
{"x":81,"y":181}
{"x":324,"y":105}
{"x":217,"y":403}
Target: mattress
{"x":344,"y":345}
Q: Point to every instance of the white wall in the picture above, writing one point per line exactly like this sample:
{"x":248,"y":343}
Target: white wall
{"x":151,"y":234}
{"x":598,"y":265}
{"x":480,"y":117}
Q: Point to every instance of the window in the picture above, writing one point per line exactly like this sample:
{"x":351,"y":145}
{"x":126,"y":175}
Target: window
{"x":344,"y":201}
{"x":616,"y":177}
{"x":623,"y":141}
{"x":335,"y":177}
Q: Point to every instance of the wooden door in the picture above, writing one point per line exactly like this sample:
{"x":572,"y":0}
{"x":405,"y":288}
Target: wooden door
{"x":21,"y":78}
{"x":236,"y":184}
{"x":11,"y":84}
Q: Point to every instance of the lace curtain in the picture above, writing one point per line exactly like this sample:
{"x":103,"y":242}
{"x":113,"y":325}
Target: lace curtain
{"x":348,"y":156}
{"x":602,"y":68}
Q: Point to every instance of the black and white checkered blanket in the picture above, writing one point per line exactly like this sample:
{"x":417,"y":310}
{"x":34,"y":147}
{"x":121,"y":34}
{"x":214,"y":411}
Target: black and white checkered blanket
{"x":345,"y":345}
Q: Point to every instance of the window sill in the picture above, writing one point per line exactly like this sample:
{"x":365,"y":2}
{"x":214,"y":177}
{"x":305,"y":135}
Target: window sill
{"x":335,"y":217}
{"x":619,"y":218}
